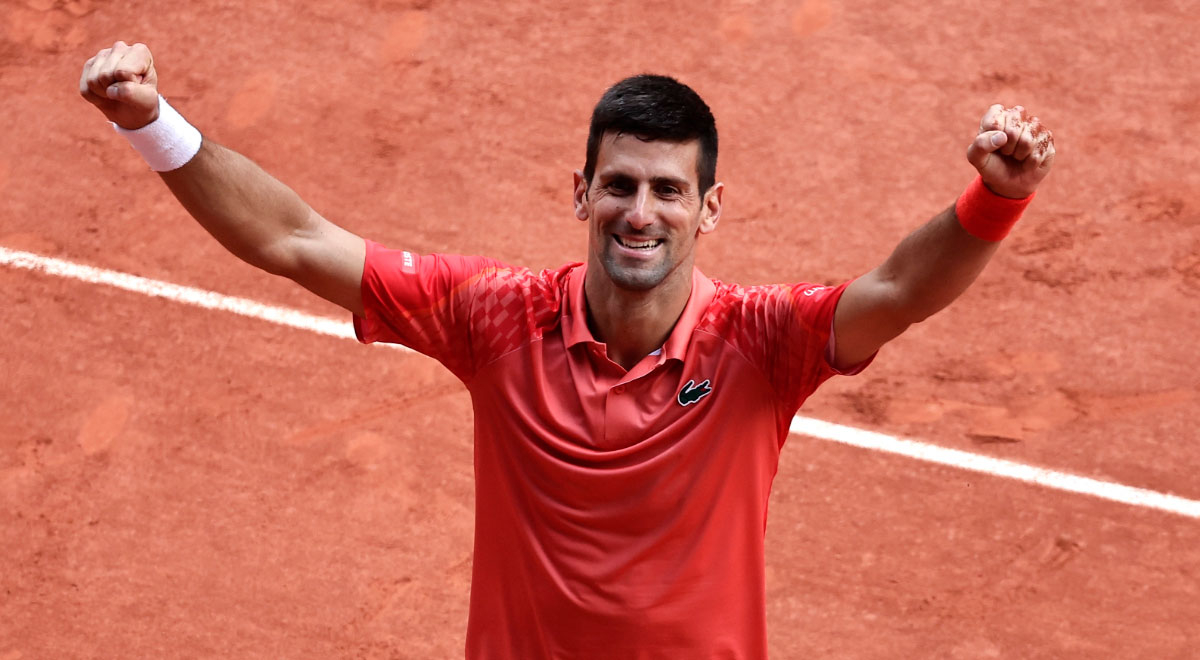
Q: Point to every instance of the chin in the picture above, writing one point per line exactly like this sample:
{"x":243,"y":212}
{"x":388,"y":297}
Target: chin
{"x":644,"y":278}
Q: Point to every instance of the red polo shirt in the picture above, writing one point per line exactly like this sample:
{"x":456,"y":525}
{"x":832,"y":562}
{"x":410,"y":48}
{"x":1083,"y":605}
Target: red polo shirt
{"x":618,"y":514}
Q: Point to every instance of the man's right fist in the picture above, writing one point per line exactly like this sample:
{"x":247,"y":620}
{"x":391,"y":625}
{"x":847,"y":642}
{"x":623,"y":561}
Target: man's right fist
{"x":121,"y":82}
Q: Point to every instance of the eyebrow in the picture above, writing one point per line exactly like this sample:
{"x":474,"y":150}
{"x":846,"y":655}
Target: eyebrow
{"x":682,"y":184}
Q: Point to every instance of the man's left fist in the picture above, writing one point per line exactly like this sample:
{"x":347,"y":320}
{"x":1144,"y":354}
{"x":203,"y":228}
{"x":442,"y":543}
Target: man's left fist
{"x":1013,"y":151}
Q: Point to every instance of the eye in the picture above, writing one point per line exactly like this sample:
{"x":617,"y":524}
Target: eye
{"x":620,"y":186}
{"x":668,"y":191}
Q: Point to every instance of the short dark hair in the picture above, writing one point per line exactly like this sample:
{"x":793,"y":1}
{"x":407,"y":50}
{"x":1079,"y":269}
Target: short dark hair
{"x":655,"y":107}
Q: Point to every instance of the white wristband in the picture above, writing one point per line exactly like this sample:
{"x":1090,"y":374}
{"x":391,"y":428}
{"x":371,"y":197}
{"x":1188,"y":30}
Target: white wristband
{"x":167,"y":143}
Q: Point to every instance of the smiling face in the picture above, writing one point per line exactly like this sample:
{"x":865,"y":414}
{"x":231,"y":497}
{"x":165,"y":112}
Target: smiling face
{"x":645,"y":211}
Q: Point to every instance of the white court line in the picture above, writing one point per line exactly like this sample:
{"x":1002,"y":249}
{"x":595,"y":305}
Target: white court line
{"x":816,"y":428}
{"x":184,"y":294}
{"x":998,"y":467}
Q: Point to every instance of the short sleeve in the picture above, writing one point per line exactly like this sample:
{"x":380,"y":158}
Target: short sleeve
{"x":421,"y":301}
{"x":802,"y":357}
{"x":786,"y":330}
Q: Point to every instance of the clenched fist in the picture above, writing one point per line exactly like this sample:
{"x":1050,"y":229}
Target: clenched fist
{"x":121,"y":82}
{"x":1013,"y":151}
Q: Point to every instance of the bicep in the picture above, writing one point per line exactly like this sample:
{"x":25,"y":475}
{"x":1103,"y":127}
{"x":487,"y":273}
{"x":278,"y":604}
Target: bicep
{"x":868,"y":315}
{"x":327,"y":260}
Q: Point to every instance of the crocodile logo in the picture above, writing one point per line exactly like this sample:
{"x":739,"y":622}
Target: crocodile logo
{"x":691,"y":392}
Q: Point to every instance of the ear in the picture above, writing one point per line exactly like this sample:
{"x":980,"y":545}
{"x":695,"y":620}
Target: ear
{"x":581,"y":190}
{"x":710,"y":215}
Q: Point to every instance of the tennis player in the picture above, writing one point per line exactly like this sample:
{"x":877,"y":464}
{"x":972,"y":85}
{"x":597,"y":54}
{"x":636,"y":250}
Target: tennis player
{"x":629,"y":412}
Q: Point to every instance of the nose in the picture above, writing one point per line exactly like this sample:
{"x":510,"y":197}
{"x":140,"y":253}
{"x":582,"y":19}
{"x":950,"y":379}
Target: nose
{"x":641,"y":215}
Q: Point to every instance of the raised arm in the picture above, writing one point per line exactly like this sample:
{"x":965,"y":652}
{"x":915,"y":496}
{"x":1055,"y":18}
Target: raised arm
{"x":935,"y":264}
{"x":253,"y":215}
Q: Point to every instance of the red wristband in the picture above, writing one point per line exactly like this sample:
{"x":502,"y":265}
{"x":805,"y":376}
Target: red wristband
{"x":986,"y":215}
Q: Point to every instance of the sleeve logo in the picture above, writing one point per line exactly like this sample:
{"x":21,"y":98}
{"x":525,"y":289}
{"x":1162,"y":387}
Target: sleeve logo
{"x":691,"y":392}
{"x":408,"y":263}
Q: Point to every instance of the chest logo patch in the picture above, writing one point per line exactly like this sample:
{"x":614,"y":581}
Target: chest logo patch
{"x":692,"y":392}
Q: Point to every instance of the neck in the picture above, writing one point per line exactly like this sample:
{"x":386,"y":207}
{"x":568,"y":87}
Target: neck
{"x":632,"y":324}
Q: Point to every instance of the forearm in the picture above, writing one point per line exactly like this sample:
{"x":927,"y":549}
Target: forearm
{"x":246,"y":209}
{"x":253,"y":215}
{"x":933,"y":266}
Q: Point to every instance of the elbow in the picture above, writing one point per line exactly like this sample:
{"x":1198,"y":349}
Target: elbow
{"x":920,"y":314}
{"x":275,"y":259}
{"x":911,"y":308}
{"x":281,"y":248}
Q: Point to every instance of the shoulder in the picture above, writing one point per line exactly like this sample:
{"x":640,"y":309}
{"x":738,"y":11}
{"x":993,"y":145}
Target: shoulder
{"x":781,"y":329}
{"x":731,"y":300}
{"x":466,"y":273}
{"x":504,"y":281}
{"x":504,"y":295}
{"x":509,"y":306}
{"x":766,"y":306}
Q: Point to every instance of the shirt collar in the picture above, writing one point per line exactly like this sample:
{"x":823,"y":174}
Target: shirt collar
{"x":574,"y":321}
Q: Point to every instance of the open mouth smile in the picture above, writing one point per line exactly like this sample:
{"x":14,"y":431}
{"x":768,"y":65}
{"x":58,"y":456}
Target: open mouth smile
{"x":641,"y":245}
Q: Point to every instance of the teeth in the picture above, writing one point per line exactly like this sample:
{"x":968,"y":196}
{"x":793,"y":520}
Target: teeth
{"x":638,"y":244}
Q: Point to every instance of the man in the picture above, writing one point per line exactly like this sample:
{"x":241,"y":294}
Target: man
{"x":629,"y":411}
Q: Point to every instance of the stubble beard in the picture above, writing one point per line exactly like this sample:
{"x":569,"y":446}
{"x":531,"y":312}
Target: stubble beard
{"x":635,"y":278}
{"x":644,"y":276}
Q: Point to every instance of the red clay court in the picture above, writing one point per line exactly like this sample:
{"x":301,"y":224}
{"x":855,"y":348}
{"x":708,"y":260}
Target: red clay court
{"x":179,"y":481}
